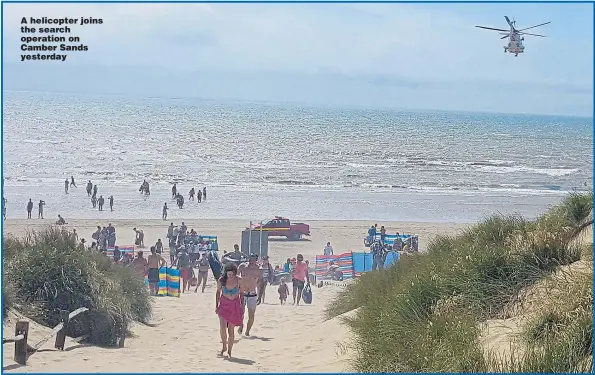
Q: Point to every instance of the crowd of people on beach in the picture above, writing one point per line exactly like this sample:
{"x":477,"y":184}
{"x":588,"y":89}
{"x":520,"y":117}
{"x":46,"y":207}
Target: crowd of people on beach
{"x":240,"y":288}
{"x":98,"y":201}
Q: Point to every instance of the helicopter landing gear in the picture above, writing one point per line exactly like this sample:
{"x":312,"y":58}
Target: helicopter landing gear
{"x":516,"y":54}
{"x":505,"y":49}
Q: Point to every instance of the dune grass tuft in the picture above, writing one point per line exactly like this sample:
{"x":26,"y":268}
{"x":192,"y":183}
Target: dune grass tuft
{"x":424,"y":313}
{"x":50,"y":272}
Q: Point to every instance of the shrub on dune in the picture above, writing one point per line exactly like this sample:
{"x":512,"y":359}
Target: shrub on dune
{"x":50,"y":272}
{"x":424,"y":313}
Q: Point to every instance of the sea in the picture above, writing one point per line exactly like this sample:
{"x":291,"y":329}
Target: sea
{"x":258,"y":160}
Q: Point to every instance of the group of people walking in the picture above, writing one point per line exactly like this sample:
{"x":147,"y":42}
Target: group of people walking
{"x":242,"y":288}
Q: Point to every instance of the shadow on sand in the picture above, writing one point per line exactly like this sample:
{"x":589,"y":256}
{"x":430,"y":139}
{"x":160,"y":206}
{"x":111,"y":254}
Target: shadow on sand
{"x":241,"y":361}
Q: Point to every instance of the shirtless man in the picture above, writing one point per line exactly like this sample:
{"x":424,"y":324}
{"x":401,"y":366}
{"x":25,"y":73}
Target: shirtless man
{"x":251,"y":275}
{"x":155,"y":262}
{"x":140,"y":264}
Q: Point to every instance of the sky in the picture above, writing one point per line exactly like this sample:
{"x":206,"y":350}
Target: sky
{"x":408,"y":56}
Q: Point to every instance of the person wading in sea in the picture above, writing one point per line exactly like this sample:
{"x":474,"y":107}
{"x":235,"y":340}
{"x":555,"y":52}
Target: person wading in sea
{"x":251,"y":275}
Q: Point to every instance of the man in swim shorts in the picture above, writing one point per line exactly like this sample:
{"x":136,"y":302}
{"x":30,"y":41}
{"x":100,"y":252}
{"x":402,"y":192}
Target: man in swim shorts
{"x":155,"y":262}
{"x":251,"y":275}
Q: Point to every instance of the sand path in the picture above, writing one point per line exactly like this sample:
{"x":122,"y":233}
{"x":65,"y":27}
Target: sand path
{"x":284,"y":338}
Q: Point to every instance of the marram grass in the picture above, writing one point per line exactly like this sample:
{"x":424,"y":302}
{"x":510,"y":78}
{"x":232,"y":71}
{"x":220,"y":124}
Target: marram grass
{"x":49,"y":272}
{"x":424,"y":314}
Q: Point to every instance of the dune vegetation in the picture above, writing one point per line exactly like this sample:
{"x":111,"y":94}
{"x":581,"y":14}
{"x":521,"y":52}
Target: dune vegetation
{"x":47,"y":272}
{"x":432,"y":312}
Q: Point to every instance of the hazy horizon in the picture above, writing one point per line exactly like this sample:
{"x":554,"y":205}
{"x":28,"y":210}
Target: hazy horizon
{"x":402,"y":56}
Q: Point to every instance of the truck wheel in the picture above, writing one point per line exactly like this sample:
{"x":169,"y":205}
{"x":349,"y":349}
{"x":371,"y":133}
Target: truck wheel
{"x":295,"y":236}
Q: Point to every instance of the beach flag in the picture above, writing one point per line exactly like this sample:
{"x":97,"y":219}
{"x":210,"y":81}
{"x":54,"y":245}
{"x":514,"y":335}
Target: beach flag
{"x":169,"y":282}
{"x":344,"y":261}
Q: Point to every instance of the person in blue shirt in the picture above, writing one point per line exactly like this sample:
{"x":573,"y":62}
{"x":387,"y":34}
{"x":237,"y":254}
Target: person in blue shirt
{"x":371,"y":234}
{"x":379,"y":253}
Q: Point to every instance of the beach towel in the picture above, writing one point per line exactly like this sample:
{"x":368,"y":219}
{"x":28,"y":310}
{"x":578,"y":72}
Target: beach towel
{"x":344,"y":261}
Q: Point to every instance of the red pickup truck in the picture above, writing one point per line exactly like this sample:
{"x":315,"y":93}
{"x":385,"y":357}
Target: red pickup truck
{"x":282,"y":227}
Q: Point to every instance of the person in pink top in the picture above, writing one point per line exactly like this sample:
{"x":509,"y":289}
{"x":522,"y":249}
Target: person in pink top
{"x":299,"y":278}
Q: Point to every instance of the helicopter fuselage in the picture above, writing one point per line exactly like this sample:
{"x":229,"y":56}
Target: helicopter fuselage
{"x":515,"y":44}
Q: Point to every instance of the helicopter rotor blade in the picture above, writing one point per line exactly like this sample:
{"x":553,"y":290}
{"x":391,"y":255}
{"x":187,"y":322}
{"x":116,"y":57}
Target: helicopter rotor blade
{"x":508,"y":20}
{"x":505,"y":36}
{"x":543,"y":36}
{"x":541,"y":24}
{"x":491,"y":28}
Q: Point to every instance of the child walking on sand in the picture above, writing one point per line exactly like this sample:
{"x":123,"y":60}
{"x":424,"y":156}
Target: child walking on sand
{"x":283,"y":291}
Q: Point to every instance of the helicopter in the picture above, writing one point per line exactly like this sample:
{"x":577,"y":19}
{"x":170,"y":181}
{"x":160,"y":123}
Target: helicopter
{"x":515,"y":36}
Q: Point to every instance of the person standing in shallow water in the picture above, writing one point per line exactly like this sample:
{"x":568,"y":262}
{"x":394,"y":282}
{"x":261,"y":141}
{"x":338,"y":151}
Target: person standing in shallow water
{"x":29,"y":208}
{"x":66,"y":186}
{"x":204,"y":193}
{"x":72,"y":181}
{"x":101,"y":201}
{"x":174,"y":190}
{"x":164,"y":212}
{"x":89,"y":188}
{"x":111,"y":202}
{"x":40,"y":209}
{"x":228,"y":306}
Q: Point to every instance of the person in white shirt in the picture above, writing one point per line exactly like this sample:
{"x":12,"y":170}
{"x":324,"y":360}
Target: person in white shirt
{"x":328,"y":250}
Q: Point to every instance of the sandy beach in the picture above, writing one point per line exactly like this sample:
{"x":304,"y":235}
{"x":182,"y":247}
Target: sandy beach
{"x":186,"y":339}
